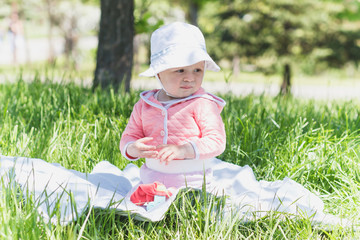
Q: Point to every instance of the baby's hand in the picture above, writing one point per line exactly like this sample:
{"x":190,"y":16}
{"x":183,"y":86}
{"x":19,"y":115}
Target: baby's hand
{"x":169,"y":152}
{"x":139,"y":149}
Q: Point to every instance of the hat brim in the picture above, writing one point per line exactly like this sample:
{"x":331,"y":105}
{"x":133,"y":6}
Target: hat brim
{"x":150,"y":72}
{"x":180,"y":58}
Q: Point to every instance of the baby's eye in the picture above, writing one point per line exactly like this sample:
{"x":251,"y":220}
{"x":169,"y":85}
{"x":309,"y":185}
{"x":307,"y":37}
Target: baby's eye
{"x":198,"y":70}
{"x":180,"y":70}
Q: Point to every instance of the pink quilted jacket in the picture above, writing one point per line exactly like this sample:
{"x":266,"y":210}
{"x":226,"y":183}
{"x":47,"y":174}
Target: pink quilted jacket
{"x":195,"y":119}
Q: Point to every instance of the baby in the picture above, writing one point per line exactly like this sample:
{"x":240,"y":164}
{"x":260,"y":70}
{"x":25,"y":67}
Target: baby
{"x":178,"y":128}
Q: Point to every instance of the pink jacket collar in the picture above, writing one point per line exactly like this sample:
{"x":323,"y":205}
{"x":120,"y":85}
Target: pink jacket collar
{"x":148,"y":97}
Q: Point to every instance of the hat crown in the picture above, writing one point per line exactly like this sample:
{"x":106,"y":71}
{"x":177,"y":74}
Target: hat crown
{"x":176,"y":35}
{"x":177,"y":45}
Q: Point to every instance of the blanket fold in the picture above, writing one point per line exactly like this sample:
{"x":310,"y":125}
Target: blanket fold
{"x":69,"y":192}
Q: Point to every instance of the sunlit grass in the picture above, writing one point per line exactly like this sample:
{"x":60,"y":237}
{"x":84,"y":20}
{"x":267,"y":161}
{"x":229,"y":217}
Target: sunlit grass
{"x":315,"y":143}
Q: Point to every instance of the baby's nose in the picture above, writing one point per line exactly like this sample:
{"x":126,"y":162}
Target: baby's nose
{"x":189,"y":77}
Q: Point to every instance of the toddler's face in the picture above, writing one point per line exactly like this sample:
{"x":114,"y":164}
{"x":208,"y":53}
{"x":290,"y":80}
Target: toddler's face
{"x":183,"y":81}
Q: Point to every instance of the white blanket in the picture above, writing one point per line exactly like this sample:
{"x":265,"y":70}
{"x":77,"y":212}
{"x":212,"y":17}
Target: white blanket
{"x":69,"y":193}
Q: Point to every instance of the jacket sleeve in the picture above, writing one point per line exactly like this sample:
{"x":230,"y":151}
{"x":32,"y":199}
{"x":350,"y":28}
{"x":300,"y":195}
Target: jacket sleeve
{"x":133,"y":130}
{"x":213,"y":137}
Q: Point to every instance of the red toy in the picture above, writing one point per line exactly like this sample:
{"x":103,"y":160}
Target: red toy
{"x":145,"y":193}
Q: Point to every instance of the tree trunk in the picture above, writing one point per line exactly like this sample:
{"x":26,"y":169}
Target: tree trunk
{"x":193,"y":13}
{"x":49,"y":8}
{"x":71,"y":42}
{"x":236,"y":65}
{"x":115,"y":48}
{"x":286,"y":84}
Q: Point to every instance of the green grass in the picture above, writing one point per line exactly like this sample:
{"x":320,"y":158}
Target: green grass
{"x":315,"y":143}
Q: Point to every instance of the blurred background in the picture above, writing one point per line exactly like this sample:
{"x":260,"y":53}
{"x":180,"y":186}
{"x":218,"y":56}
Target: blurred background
{"x":309,"y":48}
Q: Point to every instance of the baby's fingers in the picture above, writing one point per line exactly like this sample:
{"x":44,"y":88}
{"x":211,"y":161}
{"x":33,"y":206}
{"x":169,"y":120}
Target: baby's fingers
{"x":165,"y":156}
{"x":169,"y":158}
{"x":145,"y":139}
{"x":161,"y":146}
{"x":144,"y":147}
{"x":150,"y":154}
{"x":141,"y":144}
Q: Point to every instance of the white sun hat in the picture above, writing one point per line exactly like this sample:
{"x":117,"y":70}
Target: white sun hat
{"x":177,"y":45}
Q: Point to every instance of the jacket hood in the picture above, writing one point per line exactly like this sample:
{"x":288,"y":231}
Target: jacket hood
{"x":148,"y":97}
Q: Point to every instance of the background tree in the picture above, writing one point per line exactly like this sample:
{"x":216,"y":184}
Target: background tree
{"x":68,"y":18}
{"x":145,"y":23}
{"x":50,"y":10}
{"x":192,"y":9}
{"x":269,"y":33}
{"x":53,"y":19}
{"x":115,"y":48}
{"x":343,"y":43}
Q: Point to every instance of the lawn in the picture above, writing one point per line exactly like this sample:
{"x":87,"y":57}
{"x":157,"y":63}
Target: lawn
{"x":316,"y":143}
